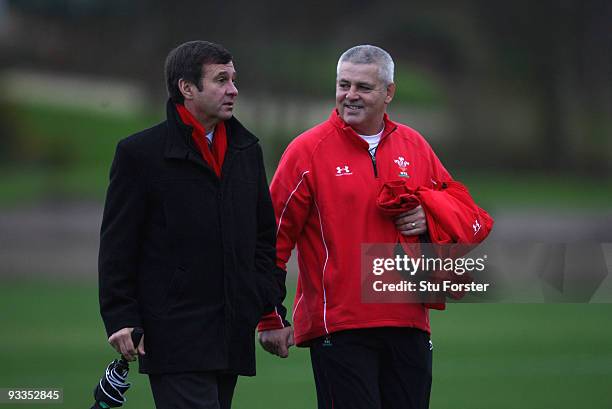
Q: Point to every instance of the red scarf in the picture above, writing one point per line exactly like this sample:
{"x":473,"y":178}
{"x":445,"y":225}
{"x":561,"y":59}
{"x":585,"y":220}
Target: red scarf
{"x":219,"y":143}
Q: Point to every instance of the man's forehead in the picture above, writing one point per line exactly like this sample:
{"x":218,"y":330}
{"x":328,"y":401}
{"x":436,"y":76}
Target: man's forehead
{"x":358,"y":72}
{"x":215,"y":69}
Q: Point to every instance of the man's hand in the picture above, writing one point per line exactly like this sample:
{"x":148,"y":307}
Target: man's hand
{"x":122,"y":342}
{"x":412,"y":222}
{"x":277,"y":341}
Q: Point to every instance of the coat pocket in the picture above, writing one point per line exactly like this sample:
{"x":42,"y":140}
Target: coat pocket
{"x":250,"y":303}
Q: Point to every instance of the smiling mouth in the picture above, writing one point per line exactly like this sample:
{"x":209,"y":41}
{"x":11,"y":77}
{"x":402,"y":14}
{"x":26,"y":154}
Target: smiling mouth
{"x":353,"y":107}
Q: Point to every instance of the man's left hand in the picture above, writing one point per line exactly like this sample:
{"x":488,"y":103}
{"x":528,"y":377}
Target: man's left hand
{"x":277,"y":341}
{"x":412,"y":222}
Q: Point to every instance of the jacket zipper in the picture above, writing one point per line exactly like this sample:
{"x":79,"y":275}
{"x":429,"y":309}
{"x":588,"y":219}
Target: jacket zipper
{"x":373,"y":157}
{"x":374,"y":163}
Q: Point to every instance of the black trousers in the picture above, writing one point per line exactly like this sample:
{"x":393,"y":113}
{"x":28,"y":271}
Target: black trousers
{"x":374,"y":368}
{"x":193,"y":390}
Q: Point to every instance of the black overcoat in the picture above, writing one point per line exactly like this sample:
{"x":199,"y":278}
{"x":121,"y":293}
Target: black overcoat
{"x":185,"y":255}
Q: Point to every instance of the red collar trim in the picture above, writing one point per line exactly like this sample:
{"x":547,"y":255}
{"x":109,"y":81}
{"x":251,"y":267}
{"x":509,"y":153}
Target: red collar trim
{"x":337,"y":121}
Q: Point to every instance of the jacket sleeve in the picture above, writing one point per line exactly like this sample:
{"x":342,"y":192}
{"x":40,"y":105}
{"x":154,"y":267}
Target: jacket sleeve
{"x":455,"y":224}
{"x":124,"y":213}
{"x":292,"y":202}
{"x":272,"y":276}
{"x":453,"y":216}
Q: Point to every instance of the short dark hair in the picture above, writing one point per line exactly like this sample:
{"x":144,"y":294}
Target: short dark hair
{"x":187,"y":60}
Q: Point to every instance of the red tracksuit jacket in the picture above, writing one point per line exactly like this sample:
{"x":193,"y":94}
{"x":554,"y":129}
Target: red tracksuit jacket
{"x":324,"y":194}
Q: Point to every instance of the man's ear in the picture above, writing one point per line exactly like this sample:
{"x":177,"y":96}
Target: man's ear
{"x":186,"y":88}
{"x":390,"y":93}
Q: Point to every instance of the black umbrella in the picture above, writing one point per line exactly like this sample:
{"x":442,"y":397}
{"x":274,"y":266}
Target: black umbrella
{"x":109,"y":391}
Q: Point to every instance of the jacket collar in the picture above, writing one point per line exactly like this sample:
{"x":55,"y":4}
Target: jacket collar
{"x":179,"y":145}
{"x":339,"y":123}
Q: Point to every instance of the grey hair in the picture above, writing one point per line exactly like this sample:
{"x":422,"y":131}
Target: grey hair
{"x":370,"y":54}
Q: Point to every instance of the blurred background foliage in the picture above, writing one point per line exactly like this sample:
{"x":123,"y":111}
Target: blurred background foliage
{"x":515,"y":98}
{"x":517,"y":87}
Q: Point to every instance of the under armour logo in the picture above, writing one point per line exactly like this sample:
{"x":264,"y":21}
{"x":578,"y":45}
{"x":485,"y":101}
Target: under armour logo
{"x":343,"y":170}
{"x":476,"y":226}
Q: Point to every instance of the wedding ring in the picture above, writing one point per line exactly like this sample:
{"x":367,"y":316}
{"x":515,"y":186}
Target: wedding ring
{"x":413,"y":224}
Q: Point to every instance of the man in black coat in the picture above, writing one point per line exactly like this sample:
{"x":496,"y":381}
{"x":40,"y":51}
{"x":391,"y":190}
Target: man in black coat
{"x":187,"y":249}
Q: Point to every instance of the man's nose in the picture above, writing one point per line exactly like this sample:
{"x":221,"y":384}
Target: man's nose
{"x":232,"y":90}
{"x":352,"y":94}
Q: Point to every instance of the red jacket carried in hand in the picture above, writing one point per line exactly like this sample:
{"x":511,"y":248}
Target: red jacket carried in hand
{"x":452,"y":218}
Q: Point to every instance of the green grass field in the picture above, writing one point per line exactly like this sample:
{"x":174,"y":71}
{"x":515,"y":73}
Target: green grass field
{"x":485,"y":356}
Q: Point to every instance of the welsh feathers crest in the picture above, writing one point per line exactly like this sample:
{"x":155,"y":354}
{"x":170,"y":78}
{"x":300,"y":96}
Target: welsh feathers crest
{"x":403,"y":164}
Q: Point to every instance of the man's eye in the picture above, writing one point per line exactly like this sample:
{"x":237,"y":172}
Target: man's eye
{"x":364,"y":88}
{"x":343,"y":86}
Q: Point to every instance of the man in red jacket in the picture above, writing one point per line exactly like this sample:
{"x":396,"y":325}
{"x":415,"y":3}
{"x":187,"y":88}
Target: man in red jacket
{"x":324,"y":194}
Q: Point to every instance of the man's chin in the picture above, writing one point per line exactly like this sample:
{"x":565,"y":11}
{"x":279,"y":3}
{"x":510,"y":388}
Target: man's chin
{"x":352,"y":120}
{"x":226,"y":114}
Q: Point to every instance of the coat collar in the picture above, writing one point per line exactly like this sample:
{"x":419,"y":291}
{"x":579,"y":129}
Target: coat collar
{"x":338,"y":122}
{"x":179,"y":146}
